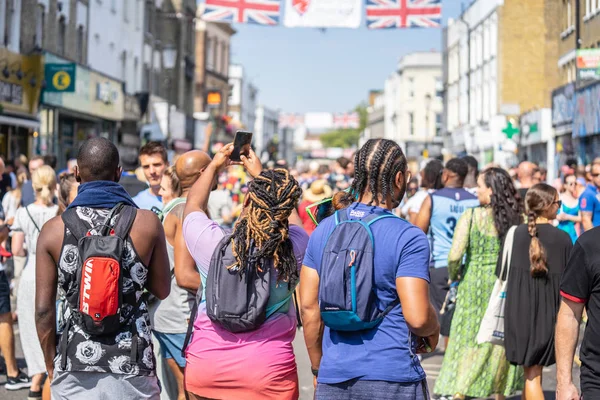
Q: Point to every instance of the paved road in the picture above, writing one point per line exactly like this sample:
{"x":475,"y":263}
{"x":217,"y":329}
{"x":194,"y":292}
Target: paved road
{"x":431,"y":364}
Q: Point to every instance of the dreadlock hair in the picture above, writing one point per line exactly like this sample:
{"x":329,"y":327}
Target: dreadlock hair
{"x":376,"y":165}
{"x":262,"y":232}
{"x":507,"y":208}
{"x":539,"y":198}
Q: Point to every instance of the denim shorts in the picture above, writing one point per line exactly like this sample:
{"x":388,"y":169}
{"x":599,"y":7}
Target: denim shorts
{"x":171,"y":345}
{"x":369,"y":390}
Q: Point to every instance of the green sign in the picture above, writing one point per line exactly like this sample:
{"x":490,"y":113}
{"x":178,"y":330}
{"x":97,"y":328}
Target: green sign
{"x":510,"y":130}
{"x":60,"y":77}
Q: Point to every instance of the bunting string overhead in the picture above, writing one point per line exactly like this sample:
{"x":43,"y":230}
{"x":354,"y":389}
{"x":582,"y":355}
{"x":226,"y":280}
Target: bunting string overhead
{"x":380,"y":14}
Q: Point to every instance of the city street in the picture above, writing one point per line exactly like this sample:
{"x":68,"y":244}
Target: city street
{"x":432,"y":365}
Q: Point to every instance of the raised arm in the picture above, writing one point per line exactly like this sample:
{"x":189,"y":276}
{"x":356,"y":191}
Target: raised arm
{"x":460,"y":243}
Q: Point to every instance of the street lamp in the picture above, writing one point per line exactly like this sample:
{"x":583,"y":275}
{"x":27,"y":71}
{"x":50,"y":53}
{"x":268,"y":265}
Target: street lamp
{"x":169,"y":59}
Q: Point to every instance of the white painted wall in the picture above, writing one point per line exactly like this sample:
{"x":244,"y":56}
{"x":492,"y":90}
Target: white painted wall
{"x":244,"y":95}
{"x":115,"y":40}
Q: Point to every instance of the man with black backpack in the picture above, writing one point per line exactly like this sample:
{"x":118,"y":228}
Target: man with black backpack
{"x":366,"y":279}
{"x":111,"y":253}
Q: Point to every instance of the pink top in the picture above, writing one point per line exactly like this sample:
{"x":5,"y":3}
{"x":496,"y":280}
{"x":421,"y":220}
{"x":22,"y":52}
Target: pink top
{"x":262,"y":358}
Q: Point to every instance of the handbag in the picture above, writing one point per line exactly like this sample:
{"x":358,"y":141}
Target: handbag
{"x":492,"y":324}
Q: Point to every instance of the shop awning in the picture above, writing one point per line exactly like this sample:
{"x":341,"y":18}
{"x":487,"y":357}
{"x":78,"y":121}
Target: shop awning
{"x":22,"y":122}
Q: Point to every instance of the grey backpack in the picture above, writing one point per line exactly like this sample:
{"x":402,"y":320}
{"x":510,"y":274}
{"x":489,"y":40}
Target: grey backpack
{"x":238,"y":302}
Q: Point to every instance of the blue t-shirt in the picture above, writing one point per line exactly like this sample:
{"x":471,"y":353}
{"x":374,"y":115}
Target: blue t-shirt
{"x":447,"y":206}
{"x":387,"y":352}
{"x":146,"y":200}
{"x":590,"y":202}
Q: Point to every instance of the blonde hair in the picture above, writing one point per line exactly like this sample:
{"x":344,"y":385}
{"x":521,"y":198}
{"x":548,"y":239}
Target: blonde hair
{"x":43,"y":181}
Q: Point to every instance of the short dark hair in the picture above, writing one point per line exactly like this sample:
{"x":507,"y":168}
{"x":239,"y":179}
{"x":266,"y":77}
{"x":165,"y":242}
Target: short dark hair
{"x":459,"y":167}
{"x":343,"y":161}
{"x":50,"y":160}
{"x":471,"y":163}
{"x":432,"y":175}
{"x":98,"y":160}
{"x":152,"y":148}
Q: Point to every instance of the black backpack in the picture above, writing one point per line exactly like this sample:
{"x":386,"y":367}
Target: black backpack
{"x":96,"y":302}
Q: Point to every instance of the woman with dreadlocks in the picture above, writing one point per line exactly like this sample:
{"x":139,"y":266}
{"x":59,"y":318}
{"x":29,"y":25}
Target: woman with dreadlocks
{"x":380,"y":362}
{"x":259,"y":364}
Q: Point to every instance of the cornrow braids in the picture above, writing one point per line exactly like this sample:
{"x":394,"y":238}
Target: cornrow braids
{"x":376,"y":165}
{"x":262,"y":232}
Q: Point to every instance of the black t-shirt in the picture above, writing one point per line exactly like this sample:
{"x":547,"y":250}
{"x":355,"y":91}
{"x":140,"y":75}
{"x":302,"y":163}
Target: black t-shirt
{"x":581,"y":283}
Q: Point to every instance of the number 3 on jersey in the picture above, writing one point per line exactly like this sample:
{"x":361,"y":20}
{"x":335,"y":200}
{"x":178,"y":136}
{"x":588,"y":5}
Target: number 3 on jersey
{"x":451,"y":226}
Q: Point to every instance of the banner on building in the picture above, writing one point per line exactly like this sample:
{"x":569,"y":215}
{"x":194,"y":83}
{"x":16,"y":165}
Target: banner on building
{"x":261,"y":12}
{"x":20,"y":82}
{"x":588,"y":64}
{"x":60,"y":77}
{"x":289,"y":120}
{"x":391,"y":14}
{"x":323,"y":13}
{"x":346,"y":121}
{"x":586,"y":120}
{"x":563,"y":105}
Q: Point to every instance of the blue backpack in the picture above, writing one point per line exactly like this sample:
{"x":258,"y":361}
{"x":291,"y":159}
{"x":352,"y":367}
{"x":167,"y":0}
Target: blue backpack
{"x":347,"y":298}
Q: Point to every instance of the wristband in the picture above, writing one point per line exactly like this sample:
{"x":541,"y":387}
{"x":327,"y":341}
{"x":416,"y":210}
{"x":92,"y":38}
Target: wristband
{"x":315,"y":371}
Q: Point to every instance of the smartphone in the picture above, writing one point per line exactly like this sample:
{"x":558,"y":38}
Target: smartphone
{"x":241,"y":145}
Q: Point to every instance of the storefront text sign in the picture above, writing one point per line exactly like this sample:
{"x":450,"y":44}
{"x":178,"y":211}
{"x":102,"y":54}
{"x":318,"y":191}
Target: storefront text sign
{"x":20,"y":82}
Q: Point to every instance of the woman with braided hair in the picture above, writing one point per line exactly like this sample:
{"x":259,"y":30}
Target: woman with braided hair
{"x":471,"y":369}
{"x":380,"y":362}
{"x":259,"y":364}
{"x":539,"y":257}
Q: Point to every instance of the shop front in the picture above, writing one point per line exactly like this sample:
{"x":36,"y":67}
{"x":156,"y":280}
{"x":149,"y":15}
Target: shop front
{"x":563,"y":110}
{"x":94,"y":109}
{"x":21,"y":79}
{"x":129,"y":136}
{"x":586,"y":124}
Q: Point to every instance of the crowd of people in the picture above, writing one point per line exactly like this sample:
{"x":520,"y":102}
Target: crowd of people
{"x":193,"y":280}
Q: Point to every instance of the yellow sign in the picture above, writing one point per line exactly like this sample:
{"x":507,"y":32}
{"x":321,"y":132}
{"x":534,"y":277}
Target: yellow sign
{"x":61,"y":80}
{"x":213,"y":99}
{"x":20,"y":83}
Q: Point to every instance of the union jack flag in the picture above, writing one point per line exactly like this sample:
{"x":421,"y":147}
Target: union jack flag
{"x":389,"y":14}
{"x":261,"y":12}
{"x":290,"y":120}
{"x":346,"y":121}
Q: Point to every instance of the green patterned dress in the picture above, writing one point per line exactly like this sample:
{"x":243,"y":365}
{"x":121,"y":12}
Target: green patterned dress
{"x":470,"y":369}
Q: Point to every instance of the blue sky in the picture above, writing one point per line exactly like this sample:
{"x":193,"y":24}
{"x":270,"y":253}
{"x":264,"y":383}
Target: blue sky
{"x":301,"y":70}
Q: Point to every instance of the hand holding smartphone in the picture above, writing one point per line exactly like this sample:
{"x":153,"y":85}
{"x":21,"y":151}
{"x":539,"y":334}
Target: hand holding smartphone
{"x":241,"y":145}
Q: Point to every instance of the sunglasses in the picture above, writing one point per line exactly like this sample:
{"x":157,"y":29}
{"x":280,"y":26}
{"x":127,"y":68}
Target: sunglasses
{"x":320,"y":210}
{"x":559,"y":202}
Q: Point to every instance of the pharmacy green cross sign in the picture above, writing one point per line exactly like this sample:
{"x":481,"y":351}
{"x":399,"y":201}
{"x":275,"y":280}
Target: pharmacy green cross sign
{"x":510,"y":130}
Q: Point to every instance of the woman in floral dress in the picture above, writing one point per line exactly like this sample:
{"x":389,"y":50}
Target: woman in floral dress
{"x":470,"y":369}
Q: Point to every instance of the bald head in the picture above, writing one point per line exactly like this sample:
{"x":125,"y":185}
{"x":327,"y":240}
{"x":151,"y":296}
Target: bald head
{"x":98,"y":160}
{"x":189,"y":167}
{"x":525,"y":173}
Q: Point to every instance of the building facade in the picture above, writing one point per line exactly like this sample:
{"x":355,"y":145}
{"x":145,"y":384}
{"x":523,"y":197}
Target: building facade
{"x":243,"y":98}
{"x":492,"y":76}
{"x":375,"y":118}
{"x":266,"y":128}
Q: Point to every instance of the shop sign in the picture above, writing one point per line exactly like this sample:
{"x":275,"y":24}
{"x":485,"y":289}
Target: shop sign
{"x":588,"y":64}
{"x":20,"y":82}
{"x":95,"y":94}
{"x":563,"y":105}
{"x":60,"y":77}
{"x":586,"y":120}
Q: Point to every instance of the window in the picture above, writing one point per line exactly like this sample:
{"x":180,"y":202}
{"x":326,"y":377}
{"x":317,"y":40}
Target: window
{"x":217,"y":50}
{"x":40,"y":26}
{"x":62,"y":33}
{"x":113,"y":6}
{"x":439,"y":87}
{"x":80,"y":45}
{"x":146,"y":78}
{"x":411,"y":124}
{"x":438,"y":124}
{"x":148,"y":11}
{"x":156,"y":89}
{"x":210,"y":63}
{"x":124,"y":66}
{"x":134,"y":87}
{"x":569,"y":15}
{"x":8,"y":22}
{"x":138,"y":13}
{"x":588,"y":7}
{"x":126,"y":11}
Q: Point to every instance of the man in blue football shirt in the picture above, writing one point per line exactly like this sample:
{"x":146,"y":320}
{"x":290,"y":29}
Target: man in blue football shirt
{"x":589,"y":202}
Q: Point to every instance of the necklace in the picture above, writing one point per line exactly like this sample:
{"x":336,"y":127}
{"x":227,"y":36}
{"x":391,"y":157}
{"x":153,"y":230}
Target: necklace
{"x":541,"y":220}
